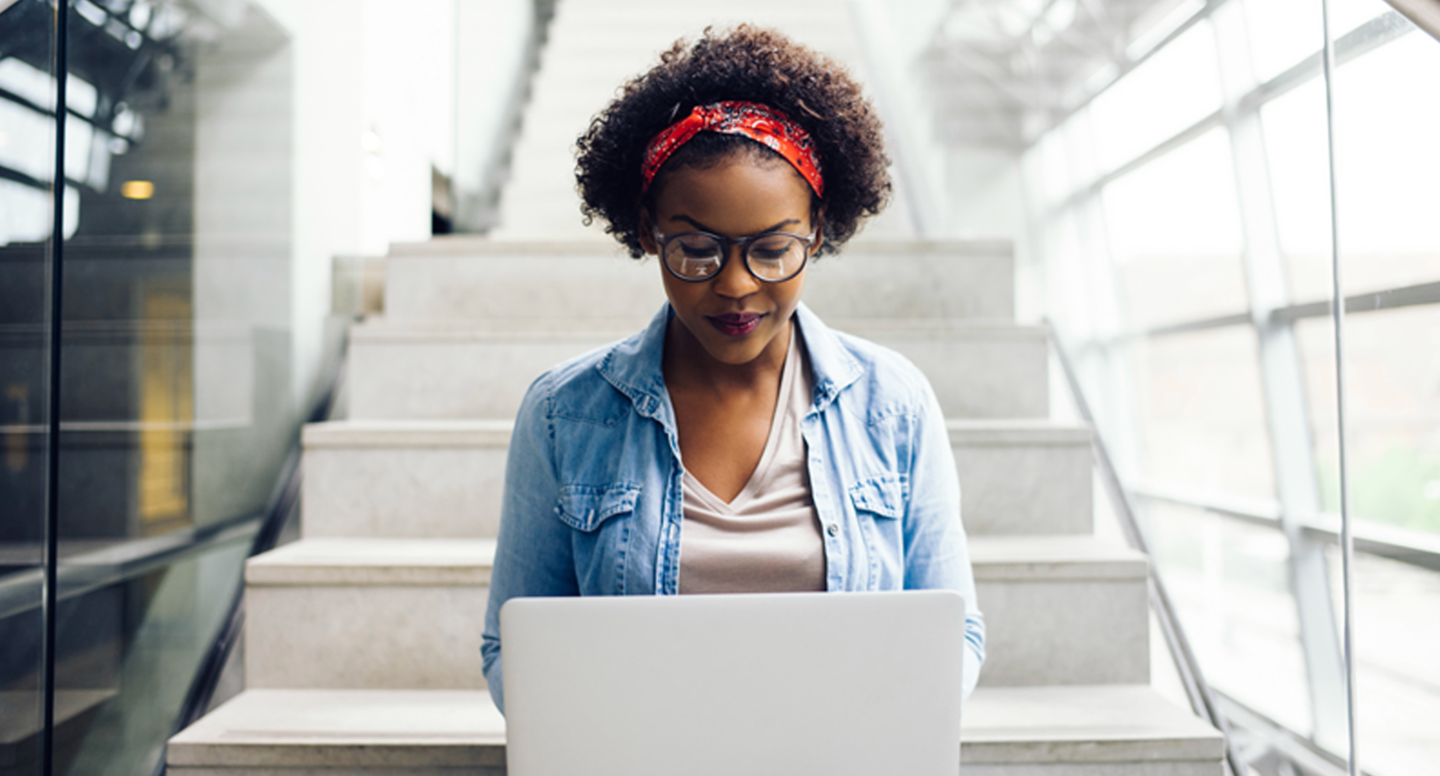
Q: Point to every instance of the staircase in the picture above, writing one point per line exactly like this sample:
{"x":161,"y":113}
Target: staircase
{"x":361,"y":643}
{"x":362,"y":639}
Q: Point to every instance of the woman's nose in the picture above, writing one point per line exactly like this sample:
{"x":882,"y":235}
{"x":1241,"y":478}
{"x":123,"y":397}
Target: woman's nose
{"x":734,"y":279}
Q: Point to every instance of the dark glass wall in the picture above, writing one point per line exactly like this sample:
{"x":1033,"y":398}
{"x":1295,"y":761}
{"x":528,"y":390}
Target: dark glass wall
{"x":176,"y":401}
{"x":27,"y":160}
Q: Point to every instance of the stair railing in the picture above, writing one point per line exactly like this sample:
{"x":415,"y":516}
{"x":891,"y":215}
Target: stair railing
{"x":1202,"y":698}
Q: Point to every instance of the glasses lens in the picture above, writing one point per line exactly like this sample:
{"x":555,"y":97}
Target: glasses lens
{"x":693,"y":256}
{"x":776,"y":256}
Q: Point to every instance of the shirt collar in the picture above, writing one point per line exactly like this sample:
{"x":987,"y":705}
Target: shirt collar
{"x":634,"y":365}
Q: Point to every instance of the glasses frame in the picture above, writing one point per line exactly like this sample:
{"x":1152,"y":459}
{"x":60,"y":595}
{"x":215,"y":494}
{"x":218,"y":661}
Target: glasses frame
{"x":664,"y":240}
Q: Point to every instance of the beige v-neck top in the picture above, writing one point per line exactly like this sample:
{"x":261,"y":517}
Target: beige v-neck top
{"x":767,"y":540}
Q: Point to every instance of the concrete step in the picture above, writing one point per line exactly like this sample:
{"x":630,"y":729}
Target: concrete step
{"x":428,"y":478}
{"x":404,"y":479}
{"x":1024,"y":477}
{"x":407,"y":613}
{"x":551,"y":284}
{"x":367,"y":614}
{"x":401,"y":370}
{"x":1124,"y":730}
{"x":1062,"y":610}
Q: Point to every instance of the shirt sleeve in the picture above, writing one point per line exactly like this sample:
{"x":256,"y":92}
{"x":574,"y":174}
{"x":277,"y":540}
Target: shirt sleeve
{"x":937,"y":555}
{"x":533,"y":550}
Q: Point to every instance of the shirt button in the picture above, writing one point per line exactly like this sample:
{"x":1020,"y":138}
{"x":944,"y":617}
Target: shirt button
{"x":833,"y":529}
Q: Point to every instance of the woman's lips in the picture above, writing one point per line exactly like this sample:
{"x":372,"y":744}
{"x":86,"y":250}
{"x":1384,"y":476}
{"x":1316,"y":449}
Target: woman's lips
{"x":735,"y":324}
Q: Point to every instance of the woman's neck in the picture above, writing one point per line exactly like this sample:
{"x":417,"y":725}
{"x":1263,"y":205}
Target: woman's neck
{"x":689,"y":366}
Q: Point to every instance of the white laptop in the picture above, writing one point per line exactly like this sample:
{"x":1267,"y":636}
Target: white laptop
{"x":804,"y":683}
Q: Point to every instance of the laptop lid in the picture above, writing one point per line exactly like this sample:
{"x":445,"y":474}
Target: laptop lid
{"x":853,"y":683}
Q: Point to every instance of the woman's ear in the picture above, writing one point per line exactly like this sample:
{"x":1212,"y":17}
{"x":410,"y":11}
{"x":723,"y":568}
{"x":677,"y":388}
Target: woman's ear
{"x":646,"y":234}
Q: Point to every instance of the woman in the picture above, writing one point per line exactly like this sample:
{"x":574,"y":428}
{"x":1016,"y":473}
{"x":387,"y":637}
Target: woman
{"x":736,"y":444}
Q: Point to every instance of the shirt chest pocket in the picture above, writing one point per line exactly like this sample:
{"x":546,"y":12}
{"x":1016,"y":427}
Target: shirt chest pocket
{"x":587,"y":507}
{"x":879,"y":503}
{"x":882,"y":497}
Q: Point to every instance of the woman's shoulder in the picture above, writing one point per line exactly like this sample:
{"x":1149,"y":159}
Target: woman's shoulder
{"x":577,"y":388}
{"x":878,"y":377}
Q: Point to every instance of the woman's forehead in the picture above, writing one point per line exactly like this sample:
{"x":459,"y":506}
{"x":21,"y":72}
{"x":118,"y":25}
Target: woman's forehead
{"x":737,"y":196}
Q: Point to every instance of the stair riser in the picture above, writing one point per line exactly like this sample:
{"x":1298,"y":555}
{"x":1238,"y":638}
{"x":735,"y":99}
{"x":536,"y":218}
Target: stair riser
{"x":974,"y":375}
{"x":584,"y":288}
{"x":980,"y":374}
{"x":413,"y":493}
{"x":385,"y":637}
{"x":456,"y":491}
{"x":1065,"y":632}
{"x":1025,"y":489}
{"x":364,"y":636}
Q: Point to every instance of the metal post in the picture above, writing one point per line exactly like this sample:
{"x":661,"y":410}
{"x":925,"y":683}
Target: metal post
{"x":1281,"y":373}
{"x":1347,"y":542}
{"x":49,"y":614}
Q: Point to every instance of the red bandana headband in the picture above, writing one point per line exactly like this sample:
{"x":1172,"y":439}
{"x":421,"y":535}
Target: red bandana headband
{"x":764,"y":125}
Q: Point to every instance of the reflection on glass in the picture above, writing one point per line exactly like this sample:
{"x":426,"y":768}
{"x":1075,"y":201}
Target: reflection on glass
{"x":1393,"y":413}
{"x":1231,"y":588}
{"x":1200,"y":413}
{"x":177,"y":401}
{"x":27,"y":158}
{"x":1174,"y":229}
{"x":180,"y":609}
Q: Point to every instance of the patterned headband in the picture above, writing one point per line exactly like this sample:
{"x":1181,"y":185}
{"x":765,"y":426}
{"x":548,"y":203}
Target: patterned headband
{"x":762,"y":124}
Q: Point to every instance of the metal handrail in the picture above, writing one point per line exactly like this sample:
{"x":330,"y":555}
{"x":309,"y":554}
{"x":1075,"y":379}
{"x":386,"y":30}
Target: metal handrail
{"x":1202,"y":698}
{"x":1405,"y":545}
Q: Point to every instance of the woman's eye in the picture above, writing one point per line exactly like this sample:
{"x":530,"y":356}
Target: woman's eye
{"x":705,"y":251}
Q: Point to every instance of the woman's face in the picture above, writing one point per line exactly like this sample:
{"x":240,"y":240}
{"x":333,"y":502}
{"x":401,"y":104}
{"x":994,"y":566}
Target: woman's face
{"x":732,"y":316}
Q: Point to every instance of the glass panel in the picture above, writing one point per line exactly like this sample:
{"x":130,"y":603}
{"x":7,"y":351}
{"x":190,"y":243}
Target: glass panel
{"x":1200,"y":413}
{"x":177,"y":393}
{"x":135,"y":645}
{"x":1173,"y":89}
{"x":1393,"y":413}
{"x":1295,"y":144}
{"x":27,"y":163}
{"x":1385,"y":157}
{"x":1397,"y":624}
{"x":1387,"y":116}
{"x":1230,"y":585}
{"x":1282,"y":33}
{"x":1174,"y":229}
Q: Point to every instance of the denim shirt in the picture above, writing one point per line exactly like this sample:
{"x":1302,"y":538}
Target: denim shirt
{"x":592,"y":501}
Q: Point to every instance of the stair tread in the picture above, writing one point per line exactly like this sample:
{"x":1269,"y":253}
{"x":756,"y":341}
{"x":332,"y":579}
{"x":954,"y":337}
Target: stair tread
{"x":407,"y":433}
{"x":440,"y":728}
{"x":388,"y":561}
{"x":1076,"y":557}
{"x":374,"y":561}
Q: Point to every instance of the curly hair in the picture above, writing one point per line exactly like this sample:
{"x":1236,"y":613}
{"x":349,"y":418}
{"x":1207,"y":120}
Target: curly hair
{"x":750,"y":64}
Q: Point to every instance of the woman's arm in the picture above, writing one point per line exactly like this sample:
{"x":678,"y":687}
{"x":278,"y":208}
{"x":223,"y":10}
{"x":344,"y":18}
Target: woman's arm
{"x":532,"y":553}
{"x":937,"y":555}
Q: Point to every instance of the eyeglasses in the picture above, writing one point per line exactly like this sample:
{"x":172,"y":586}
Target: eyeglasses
{"x":772,"y":257}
